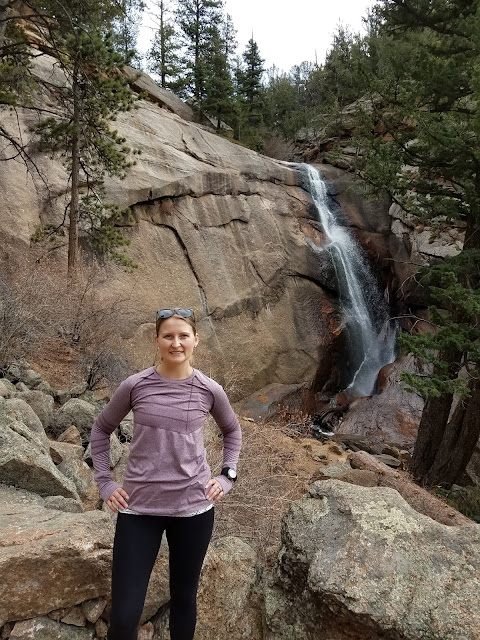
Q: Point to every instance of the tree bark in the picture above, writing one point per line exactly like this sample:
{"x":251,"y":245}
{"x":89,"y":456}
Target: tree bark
{"x":73,"y":217}
{"x":430,"y":435}
{"x":458,"y":448}
{"x":434,"y":422}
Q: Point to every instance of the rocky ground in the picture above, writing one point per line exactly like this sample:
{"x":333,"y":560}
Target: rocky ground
{"x":316,"y":541}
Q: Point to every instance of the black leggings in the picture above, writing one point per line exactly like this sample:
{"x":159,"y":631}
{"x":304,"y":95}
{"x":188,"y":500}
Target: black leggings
{"x":135,"y":549}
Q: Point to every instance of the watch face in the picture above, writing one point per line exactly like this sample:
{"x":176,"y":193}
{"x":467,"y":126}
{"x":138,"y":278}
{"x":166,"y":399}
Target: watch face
{"x":232,"y":474}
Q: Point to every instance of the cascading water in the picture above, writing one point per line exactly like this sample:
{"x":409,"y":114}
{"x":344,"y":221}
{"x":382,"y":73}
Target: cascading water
{"x":371,"y":333}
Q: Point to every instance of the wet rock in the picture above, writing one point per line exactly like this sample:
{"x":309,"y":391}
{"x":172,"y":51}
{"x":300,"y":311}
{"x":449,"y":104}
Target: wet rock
{"x":392,"y":416}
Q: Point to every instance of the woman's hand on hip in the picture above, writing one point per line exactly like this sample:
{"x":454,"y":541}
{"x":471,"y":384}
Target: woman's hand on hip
{"x":214,"y":490}
{"x":118,"y":500}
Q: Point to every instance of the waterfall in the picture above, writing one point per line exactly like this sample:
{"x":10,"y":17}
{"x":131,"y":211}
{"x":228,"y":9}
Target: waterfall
{"x":370,"y":332}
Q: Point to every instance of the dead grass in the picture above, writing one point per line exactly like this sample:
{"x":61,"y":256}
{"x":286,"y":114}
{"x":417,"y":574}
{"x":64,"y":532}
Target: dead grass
{"x":274,"y":469}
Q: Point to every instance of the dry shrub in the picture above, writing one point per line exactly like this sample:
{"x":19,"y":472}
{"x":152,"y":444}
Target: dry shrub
{"x":273,"y":471}
{"x":278,"y":148}
{"x":68,"y":326}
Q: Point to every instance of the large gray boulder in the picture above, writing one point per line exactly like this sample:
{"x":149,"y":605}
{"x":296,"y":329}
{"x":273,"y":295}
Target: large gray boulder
{"x":77,"y":412}
{"x":81,"y":475}
{"x":25,"y":461}
{"x":18,"y":408}
{"x":42,"y":403}
{"x":50,"y":559}
{"x":361,"y":563}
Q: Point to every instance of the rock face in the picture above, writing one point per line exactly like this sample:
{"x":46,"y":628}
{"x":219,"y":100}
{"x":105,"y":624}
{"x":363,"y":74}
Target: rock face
{"x":392,"y":416}
{"x":361,"y":563}
{"x":51,"y":559}
{"x":26,"y":463}
{"x":217,"y":227}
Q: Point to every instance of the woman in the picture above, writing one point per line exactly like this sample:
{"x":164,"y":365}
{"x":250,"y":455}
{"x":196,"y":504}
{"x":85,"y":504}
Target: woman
{"x":168,"y":484}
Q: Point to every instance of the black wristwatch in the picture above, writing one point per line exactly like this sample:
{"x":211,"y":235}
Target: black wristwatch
{"x":231,"y":474}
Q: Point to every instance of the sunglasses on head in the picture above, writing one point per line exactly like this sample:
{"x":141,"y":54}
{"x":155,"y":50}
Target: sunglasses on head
{"x":183,"y":313}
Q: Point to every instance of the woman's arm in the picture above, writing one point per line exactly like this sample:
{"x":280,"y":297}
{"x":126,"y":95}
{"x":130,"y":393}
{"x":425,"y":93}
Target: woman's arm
{"x":226,"y":419}
{"x":105,"y":424}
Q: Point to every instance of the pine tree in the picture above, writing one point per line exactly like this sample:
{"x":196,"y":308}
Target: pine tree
{"x":125,"y":29}
{"x":163,"y":56}
{"x":420,"y":142}
{"x":93,"y":93}
{"x":196,"y":19}
{"x":218,"y":101}
{"x":251,"y":96}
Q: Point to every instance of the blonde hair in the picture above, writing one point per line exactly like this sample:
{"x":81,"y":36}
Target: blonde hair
{"x":189,"y":321}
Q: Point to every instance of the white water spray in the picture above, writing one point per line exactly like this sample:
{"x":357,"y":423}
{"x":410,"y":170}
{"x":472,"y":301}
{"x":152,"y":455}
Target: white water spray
{"x":371,"y":333}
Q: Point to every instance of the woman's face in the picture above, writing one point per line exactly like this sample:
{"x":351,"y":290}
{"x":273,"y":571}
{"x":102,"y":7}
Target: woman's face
{"x":175,"y":341}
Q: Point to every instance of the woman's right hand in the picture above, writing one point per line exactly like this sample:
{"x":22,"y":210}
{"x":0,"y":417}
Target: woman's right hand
{"x":118,"y":500}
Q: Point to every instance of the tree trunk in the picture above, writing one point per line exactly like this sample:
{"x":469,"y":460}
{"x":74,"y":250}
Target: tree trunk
{"x":458,"y":448}
{"x":433,"y":423}
{"x":73,"y":217}
{"x":430,"y":434}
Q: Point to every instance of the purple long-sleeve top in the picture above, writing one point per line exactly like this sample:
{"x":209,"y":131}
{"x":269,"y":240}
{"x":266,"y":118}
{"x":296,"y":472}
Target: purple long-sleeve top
{"x":167,"y":467}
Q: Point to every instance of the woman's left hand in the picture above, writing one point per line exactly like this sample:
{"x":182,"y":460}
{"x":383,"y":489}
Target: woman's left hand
{"x":214,"y":490}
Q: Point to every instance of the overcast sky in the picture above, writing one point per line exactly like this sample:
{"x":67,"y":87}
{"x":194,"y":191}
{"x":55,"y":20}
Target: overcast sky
{"x":287,"y":33}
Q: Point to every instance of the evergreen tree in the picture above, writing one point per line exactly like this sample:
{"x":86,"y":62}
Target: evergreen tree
{"x":163,"y":56}
{"x":218,"y":101}
{"x":125,"y":29}
{"x":251,"y":96}
{"x":197,"y":19}
{"x":250,"y":83}
{"x":420,"y":142}
{"x":93,"y":93}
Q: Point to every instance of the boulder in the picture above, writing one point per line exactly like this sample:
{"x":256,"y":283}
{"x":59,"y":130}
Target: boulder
{"x":44,"y":628}
{"x":42,"y":404}
{"x":7,"y":389}
{"x":64,"y":504}
{"x":93,"y":609}
{"x":82,"y":477}
{"x":18,"y":408}
{"x":51,"y":559}
{"x":392,"y":416}
{"x":116,"y":451}
{"x":360,"y":563}
{"x":24,"y":462}
{"x":228,"y":603}
{"x":270,"y":400}
{"x":71,"y":435}
{"x":75,"y":412}
{"x":60,"y":451}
